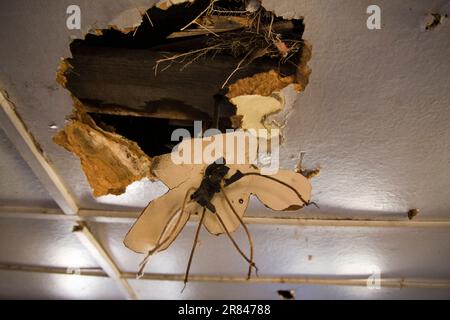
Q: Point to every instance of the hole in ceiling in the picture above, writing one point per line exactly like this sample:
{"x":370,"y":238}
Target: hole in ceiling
{"x":153,"y":135}
{"x":118,"y":73}
{"x":286,"y":294}
{"x":433,"y":20}
{"x":181,"y":64}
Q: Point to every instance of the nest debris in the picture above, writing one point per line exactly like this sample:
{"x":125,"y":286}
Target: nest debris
{"x":258,"y":35}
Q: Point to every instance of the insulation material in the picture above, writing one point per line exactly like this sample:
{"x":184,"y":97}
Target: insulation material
{"x":64,"y":66}
{"x":263,"y":84}
{"x":110,"y":161}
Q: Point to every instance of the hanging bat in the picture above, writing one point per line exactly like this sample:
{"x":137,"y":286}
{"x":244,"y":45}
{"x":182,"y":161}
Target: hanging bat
{"x":219,"y":192}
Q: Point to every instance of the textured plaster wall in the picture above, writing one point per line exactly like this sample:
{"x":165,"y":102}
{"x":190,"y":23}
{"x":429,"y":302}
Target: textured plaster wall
{"x":18,"y":185}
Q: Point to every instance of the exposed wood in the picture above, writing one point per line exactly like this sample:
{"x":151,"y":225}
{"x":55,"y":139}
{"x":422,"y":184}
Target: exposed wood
{"x":219,"y":24}
{"x":126,"y":78}
{"x":159,"y":112}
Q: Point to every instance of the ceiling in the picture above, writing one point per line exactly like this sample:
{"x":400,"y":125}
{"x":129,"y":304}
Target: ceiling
{"x":375,"y":117}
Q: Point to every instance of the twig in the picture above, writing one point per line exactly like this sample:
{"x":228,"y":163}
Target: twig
{"x":174,"y":57}
{"x":259,"y":33}
{"x":270,"y":26}
{"x":230,"y":11}
{"x":181,"y":55}
{"x":207,"y":29}
{"x":198,"y":56}
{"x":237,"y":69}
{"x":148,"y":17}
{"x":201,"y":13}
{"x":249,"y":260}
{"x":150,"y":20}
{"x":259,"y":21}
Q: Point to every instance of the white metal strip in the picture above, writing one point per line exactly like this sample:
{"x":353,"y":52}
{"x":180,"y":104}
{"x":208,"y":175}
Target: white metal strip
{"x":30,"y":151}
{"x":129,"y":217}
{"x":103,"y":259}
{"x":300,"y":280}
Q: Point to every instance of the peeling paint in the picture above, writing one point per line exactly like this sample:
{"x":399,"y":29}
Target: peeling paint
{"x":165,"y":4}
{"x":64,"y":66}
{"x":433,"y":20}
{"x":280,"y":119}
{"x":128,"y":20}
{"x":261,"y":99}
{"x":255,"y":108}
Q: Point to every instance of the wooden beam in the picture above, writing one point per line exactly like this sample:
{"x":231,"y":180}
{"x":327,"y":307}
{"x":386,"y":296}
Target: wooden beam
{"x":131,"y":79}
{"x":169,"y":112}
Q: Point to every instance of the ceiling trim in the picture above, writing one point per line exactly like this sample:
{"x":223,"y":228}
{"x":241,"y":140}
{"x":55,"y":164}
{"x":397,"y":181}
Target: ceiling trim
{"x":100,"y":255}
{"x":34,"y":156}
{"x":299,"y":280}
{"x":129,"y":217}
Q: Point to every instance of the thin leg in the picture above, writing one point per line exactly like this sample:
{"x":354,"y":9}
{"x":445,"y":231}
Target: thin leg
{"x":194,"y":245}
{"x":250,"y":240}
{"x":306,"y":203}
{"x":250,"y":261}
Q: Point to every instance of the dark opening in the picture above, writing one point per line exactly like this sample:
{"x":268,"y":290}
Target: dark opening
{"x":121,"y":83}
{"x":153,"y":135}
{"x":286,"y":294}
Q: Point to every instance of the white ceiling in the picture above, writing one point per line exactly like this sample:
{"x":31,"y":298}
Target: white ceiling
{"x":18,"y":182}
{"x":375,"y":116}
